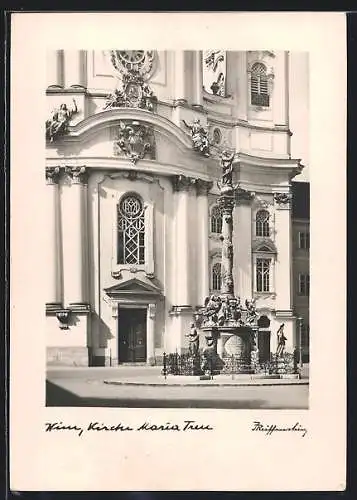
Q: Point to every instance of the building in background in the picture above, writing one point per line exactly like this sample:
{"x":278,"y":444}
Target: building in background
{"x":132,"y":162}
{"x":301,"y":261}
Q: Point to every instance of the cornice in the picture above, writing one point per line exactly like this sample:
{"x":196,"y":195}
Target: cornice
{"x":116,"y":165}
{"x":107,"y":118}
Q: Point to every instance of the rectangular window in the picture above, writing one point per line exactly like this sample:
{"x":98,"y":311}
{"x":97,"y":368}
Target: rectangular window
{"x":304,"y":284}
{"x":263,"y":275}
{"x":304,"y":240}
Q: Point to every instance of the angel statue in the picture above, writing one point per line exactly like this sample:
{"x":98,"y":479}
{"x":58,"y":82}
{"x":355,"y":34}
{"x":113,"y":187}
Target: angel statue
{"x":199,"y":136}
{"x":58,"y":123}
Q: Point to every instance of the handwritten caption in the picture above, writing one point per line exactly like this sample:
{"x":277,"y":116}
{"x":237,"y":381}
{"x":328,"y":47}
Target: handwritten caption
{"x":270,"y":429}
{"x":185,"y":426}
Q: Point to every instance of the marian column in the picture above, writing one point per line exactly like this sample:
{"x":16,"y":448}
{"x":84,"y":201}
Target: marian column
{"x":226,"y":203}
{"x":53,"y":298}
{"x":77,"y":295}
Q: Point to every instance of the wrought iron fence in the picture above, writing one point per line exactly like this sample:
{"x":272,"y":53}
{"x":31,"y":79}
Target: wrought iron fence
{"x":200,"y":364}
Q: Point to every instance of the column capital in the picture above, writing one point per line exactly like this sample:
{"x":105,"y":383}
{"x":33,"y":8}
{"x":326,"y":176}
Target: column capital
{"x":283,"y":200}
{"x":52,"y":175}
{"x":78,"y":175}
{"x":243,"y":196}
{"x":203,"y":187}
{"x":182,"y":183}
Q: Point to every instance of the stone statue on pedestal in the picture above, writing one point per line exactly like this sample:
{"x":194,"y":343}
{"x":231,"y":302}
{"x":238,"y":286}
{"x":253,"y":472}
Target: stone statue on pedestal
{"x":58,"y":123}
{"x":281,"y":340}
{"x":194,"y":341}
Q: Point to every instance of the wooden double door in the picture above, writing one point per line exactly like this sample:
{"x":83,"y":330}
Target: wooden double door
{"x":132,"y":335}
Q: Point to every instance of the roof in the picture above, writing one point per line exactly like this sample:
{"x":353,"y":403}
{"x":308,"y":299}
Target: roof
{"x":301,"y":200}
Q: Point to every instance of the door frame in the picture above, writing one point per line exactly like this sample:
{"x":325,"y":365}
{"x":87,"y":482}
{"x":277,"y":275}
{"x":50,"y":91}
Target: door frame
{"x":130,"y":306}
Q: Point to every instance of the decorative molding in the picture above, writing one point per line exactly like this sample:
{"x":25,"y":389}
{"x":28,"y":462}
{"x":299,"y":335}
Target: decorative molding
{"x":133,"y":61}
{"x":283,"y":200}
{"x":78,"y":175}
{"x":52,"y":175}
{"x":64,"y":316}
{"x":199,"y":136}
{"x":134,"y":140}
{"x":57,"y":124}
{"x":182,"y":183}
{"x":134,"y":93}
{"x":243,"y":196}
{"x":259,"y":243}
{"x":80,"y":307}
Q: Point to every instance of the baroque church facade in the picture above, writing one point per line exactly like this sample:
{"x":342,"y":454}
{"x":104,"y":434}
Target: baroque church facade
{"x":133,"y":147}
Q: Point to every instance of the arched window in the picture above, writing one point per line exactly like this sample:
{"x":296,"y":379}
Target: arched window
{"x":259,"y":94}
{"x":262,"y":223}
{"x":131,"y":230}
{"x":216,"y":220}
{"x":216,"y":277}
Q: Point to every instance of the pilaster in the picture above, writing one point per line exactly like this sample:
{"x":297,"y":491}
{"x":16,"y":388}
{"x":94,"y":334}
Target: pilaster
{"x":73,"y":68}
{"x":181,"y":186}
{"x":53,"y":299}
{"x":283,"y":273}
{"x":150,"y":333}
{"x":77,"y":292}
{"x":202,"y":189}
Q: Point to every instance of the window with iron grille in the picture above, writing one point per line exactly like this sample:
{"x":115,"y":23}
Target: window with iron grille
{"x":304,"y":284}
{"x":263,"y":275}
{"x":262,"y":223}
{"x":259,"y":94}
{"x":216,"y":220}
{"x":216,"y":277}
{"x":304,"y":240}
{"x":131,"y":231}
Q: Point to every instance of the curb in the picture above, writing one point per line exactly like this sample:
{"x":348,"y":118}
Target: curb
{"x":214,"y":384}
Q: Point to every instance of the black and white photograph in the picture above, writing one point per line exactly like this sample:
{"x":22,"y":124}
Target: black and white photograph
{"x":178,"y":210}
{"x":178,"y":252}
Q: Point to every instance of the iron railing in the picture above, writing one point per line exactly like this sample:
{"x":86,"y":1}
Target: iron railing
{"x":199,"y":364}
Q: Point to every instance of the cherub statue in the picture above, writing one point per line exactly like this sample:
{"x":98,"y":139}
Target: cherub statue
{"x":58,"y":123}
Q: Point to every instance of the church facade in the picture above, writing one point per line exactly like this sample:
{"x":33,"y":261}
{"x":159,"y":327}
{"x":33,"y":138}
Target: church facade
{"x":133,"y":147}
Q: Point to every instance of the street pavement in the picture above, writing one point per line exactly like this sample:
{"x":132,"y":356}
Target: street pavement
{"x":87,"y":387}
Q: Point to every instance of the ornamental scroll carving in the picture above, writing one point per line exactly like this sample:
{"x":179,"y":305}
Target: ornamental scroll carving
{"x":134,"y":67}
{"x":135,"y":141}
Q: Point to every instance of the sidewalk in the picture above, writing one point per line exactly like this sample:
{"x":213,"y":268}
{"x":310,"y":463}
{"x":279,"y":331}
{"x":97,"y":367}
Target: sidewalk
{"x":152,"y":376}
{"x":218,"y":380}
